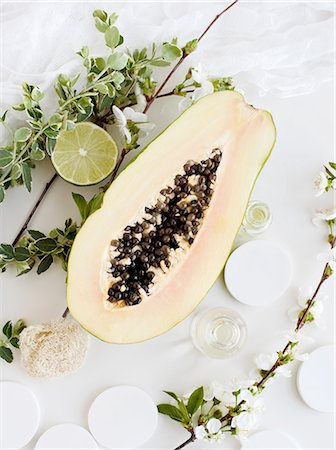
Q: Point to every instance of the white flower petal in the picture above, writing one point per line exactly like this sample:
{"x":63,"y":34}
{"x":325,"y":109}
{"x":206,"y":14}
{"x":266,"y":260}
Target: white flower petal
{"x":320,"y":184}
{"x":121,"y":120}
{"x":265,"y":361}
{"x":134,"y":116}
{"x":213,"y":426}
{"x":200,"y":432}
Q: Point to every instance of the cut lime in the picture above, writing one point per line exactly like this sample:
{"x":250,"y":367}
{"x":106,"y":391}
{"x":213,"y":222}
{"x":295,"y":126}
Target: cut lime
{"x":85,"y":155}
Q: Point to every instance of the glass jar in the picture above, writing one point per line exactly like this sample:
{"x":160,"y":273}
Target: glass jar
{"x":218,"y":332}
{"x":257,"y":218}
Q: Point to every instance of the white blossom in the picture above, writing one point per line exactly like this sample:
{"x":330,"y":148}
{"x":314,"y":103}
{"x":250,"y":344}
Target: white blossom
{"x":320,"y":184}
{"x":141,"y":101}
{"x":121,"y":122}
{"x":200,"y":432}
{"x":199,"y":76}
{"x":324,"y":215}
{"x":265,"y":361}
{"x":213,"y":426}
{"x":304,"y":294}
{"x":244,"y":421}
{"x":328,"y":258}
{"x":129,"y":114}
{"x":333,"y":183}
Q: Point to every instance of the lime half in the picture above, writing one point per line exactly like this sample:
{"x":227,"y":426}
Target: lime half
{"x":85,"y":155}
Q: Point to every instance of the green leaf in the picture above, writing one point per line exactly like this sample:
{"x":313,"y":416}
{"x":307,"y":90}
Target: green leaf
{"x":26,"y":174}
{"x":70,"y":125}
{"x":8,"y":329}
{"x":81,"y":204}
{"x":101,"y":14}
{"x":117,"y":78}
{"x":332,"y":165}
{"x":46,"y":245}
{"x":6,"y":354}
{"x":190,"y":46}
{"x":7,"y":251}
{"x":100,"y":64}
{"x":84,"y":53}
{"x":112,"y":37}
{"x":6,"y":158}
{"x":184,"y":411}
{"x":23,"y":267}
{"x":94,"y":204}
{"x":111,"y":90}
{"x":22,"y":134}
{"x":159,"y":63}
{"x":2,"y":194}
{"x":15,"y":342}
{"x":21,"y":254}
{"x":117,"y":61}
{"x":173,"y":395}
{"x":36,"y":234}
{"x":63,"y":79}
{"x":170,"y":52}
{"x":37,"y":94}
{"x":100,"y":25}
{"x":16,"y":172}
{"x":102,"y":88}
{"x":195,"y":401}
{"x":19,"y":326}
{"x":50,"y":145}
{"x":45,"y":264}
{"x":36,"y":153}
{"x":113,"y":18}
{"x":171,"y":411}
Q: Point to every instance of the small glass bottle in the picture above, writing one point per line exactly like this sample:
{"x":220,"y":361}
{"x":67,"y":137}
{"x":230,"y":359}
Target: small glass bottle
{"x":257,"y":218}
{"x":218,"y":332}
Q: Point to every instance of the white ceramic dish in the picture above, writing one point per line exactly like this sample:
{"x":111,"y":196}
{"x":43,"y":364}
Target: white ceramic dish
{"x":67,"y":436}
{"x":123,"y":417}
{"x":315,"y":379}
{"x":270,"y":439}
{"x":258,"y":273}
{"x":20,"y":415}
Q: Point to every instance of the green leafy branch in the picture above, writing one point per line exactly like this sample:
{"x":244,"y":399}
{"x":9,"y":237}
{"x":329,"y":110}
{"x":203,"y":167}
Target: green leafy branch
{"x":36,"y":248}
{"x":10,"y":338}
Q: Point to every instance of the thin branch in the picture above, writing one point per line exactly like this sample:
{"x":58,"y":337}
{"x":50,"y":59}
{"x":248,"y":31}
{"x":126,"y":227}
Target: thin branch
{"x":188,"y":441}
{"x":34,"y":208}
{"x":168,"y":94}
{"x":185,"y":55}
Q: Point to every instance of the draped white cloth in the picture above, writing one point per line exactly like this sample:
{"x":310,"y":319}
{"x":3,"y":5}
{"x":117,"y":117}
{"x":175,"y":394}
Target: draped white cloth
{"x":282,"y":47}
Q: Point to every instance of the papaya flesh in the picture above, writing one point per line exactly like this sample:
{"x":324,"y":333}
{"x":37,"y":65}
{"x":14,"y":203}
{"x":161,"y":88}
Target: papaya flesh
{"x":148,"y":256}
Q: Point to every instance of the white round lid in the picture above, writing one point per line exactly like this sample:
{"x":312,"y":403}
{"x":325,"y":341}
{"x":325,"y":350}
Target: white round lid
{"x":268,"y":440}
{"x":20,"y":415}
{"x":258,"y":273}
{"x":315,"y":379}
{"x":118,"y":410}
{"x":66,"y":436}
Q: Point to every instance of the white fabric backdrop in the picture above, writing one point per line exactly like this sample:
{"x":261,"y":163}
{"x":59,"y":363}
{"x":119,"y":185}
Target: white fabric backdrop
{"x":283,"y":47}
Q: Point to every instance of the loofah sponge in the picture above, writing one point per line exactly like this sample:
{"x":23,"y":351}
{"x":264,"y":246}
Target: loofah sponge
{"x":53,"y":349}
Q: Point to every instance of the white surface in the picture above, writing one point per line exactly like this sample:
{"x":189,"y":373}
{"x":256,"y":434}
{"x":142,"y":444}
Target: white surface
{"x":20,"y":415}
{"x":270,"y":439}
{"x":67,"y":436}
{"x":123,"y":417}
{"x":258,"y":273}
{"x":305,"y":127}
{"x":315,"y":379}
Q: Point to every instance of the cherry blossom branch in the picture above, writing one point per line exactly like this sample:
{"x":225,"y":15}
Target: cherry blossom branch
{"x":185,"y":55}
{"x":191,"y":439}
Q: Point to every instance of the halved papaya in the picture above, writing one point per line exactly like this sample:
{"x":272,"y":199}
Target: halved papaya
{"x":145,"y":260}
